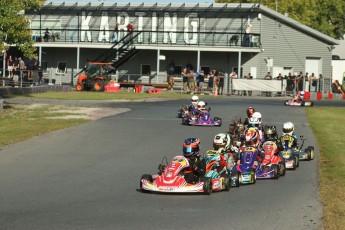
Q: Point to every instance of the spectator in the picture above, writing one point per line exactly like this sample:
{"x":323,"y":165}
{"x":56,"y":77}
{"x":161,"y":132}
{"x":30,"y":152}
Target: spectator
{"x":290,"y":85}
{"x":191,"y":81}
{"x":320,"y":82}
{"x":189,"y":66}
{"x":171,"y":70}
{"x":279,"y":77}
{"x":116,"y":33}
{"x":314,"y":80}
{"x":211,"y":77}
{"x":233,"y":75}
{"x":130,"y":29}
{"x":184,"y":75}
{"x":9,"y":64}
{"x":299,"y":82}
{"x":46,"y":35}
{"x":221,"y":83}
{"x":249,"y":77}
{"x":201,"y":79}
{"x":268,"y":76}
{"x":306,"y":80}
{"x":40,"y":75}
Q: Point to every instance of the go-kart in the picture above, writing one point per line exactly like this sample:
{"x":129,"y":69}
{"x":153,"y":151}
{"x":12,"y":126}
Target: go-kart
{"x":244,"y":172}
{"x":170,"y":179}
{"x":219,"y":175}
{"x":272,"y":165}
{"x":236,"y":128}
{"x":294,"y":102}
{"x":290,"y":155}
{"x":201,"y":119}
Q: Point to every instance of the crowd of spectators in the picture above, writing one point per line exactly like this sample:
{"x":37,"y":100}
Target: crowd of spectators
{"x":19,"y":68}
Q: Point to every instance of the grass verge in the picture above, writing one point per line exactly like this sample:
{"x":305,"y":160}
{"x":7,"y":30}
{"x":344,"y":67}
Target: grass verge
{"x":327,"y":125}
{"x":18,"y":124}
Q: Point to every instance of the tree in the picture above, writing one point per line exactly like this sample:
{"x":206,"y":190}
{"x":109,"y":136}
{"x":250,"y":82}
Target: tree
{"x":326,"y":16}
{"x":14,"y":26}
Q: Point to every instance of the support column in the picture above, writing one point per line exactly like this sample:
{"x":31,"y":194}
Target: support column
{"x":239,"y":64}
{"x":78,"y":59}
{"x":198,"y":62}
{"x":158,"y":54}
{"x":40,"y":56}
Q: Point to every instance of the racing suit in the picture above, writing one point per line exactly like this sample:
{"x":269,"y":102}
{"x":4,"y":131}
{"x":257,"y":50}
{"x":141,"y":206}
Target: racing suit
{"x":289,"y":141}
{"x":196,"y":170}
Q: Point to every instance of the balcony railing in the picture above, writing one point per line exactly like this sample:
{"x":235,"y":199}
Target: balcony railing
{"x":178,"y":38}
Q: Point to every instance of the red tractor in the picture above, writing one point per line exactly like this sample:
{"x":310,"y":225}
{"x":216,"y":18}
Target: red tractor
{"x":95,"y":76}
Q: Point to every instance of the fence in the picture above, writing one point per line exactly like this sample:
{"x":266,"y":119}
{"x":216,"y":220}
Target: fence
{"x":242,"y":86}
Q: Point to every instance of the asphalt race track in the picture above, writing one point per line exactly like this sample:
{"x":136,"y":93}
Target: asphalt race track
{"x":87,"y":177}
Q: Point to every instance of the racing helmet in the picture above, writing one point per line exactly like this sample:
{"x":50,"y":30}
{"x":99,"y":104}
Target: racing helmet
{"x":195,"y":100}
{"x":288,"y":128}
{"x":253,"y":122}
{"x":221,"y":141}
{"x":258,"y":116}
{"x":301,"y":93}
{"x":191,"y":147}
{"x":250,"y":111}
{"x":270,"y":133}
{"x":252,"y":137}
{"x":201,"y":105}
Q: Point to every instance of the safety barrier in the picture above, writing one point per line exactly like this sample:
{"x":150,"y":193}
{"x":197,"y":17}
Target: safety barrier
{"x":154,"y":91}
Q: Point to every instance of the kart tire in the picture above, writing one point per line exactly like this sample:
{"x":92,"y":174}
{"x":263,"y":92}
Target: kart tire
{"x":147,"y":177}
{"x":218,"y":120}
{"x":312,"y":152}
{"x":308,"y":152}
{"x":253,"y":175}
{"x":311,"y":104}
{"x":286,"y":102}
{"x":227,"y":182}
{"x":184,"y":121}
{"x":207,"y":185}
{"x":303,"y":103}
{"x":275,"y":171}
{"x":293,"y":162}
{"x":297,"y":160}
{"x":282,"y":169}
{"x":80,"y":86}
{"x":235,"y":178}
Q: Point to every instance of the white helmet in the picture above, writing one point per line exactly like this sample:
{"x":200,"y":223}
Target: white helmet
{"x":201,"y":105}
{"x":221,"y":140}
{"x":288,"y":128}
{"x":195,"y":100}
{"x":301,"y":93}
{"x":258,"y":116}
{"x":254,"y":122}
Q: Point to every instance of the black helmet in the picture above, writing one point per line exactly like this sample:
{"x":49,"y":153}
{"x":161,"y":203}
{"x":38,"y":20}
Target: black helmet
{"x":270,"y":132}
{"x":191,"y":147}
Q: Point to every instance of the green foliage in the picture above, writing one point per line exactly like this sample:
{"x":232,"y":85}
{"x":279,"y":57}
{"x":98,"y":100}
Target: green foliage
{"x":14,"y":26}
{"x":326,"y":16}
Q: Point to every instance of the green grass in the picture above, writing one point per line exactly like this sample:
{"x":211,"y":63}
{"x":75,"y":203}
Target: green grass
{"x":328,"y":127}
{"x":18,"y":124}
{"x":86,"y":95}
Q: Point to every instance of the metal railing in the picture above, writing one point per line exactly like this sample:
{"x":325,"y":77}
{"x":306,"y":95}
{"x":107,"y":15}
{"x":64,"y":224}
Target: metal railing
{"x":178,"y":38}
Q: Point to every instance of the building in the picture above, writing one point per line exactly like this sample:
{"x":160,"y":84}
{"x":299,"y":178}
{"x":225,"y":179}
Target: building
{"x":246,"y":38}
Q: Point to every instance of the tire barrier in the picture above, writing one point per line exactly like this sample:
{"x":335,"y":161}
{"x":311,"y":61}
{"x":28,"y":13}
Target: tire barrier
{"x":154,"y":91}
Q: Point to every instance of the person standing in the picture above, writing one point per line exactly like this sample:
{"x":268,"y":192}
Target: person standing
{"x":46,"y":35}
{"x":116,"y":33}
{"x":171,"y":71}
{"x":221,"y":83}
{"x":191,"y":81}
{"x":184,"y":75}
{"x":130,"y":29}
{"x":10,"y":66}
{"x":201,"y":81}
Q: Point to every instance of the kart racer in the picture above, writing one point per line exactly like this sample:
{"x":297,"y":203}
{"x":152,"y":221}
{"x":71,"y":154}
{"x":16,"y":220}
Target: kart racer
{"x":197,"y":166}
{"x":250,"y":112}
{"x":270,"y":135}
{"x":299,"y":98}
{"x":222,"y":144}
{"x":289,"y":139}
{"x":201,"y":107}
{"x":256,"y":121}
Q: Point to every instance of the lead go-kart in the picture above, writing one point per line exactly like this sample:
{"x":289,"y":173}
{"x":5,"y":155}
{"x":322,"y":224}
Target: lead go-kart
{"x":170,"y":179}
{"x":202,"y":118}
{"x":294,"y":102}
